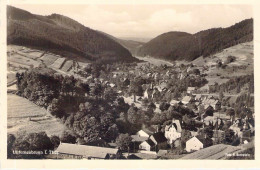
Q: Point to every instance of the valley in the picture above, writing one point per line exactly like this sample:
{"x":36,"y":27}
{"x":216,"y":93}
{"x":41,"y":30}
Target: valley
{"x":184,"y":96}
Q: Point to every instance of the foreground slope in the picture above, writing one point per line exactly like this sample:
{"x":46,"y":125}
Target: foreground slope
{"x":214,"y":152}
{"x":183,"y":46}
{"x":63,"y":36}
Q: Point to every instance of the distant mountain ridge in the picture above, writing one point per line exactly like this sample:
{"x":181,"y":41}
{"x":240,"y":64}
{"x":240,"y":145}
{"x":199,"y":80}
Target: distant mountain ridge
{"x":184,"y":46}
{"x":131,"y":45}
{"x":62,"y":35}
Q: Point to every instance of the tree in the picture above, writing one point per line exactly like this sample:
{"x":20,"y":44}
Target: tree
{"x":185,"y":136}
{"x":123,"y":142}
{"x":209,"y":111}
{"x":55,"y":140}
{"x":230,"y":59}
{"x":206,"y":132}
{"x":10,"y":141}
{"x":136,"y":89}
{"x":67,"y":137}
{"x":132,"y":115}
{"x":33,"y":142}
{"x":145,"y":102}
{"x":231,"y":112}
{"x":111,"y":133}
{"x":221,"y":95}
{"x":56,"y":108}
{"x":151,"y":106}
{"x":229,"y":136}
{"x":164,"y":106}
{"x":110,"y":95}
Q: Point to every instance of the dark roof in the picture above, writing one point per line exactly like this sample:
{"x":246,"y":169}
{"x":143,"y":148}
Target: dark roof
{"x":159,"y":137}
{"x":133,"y":156}
{"x":206,"y":141}
{"x":150,"y":142}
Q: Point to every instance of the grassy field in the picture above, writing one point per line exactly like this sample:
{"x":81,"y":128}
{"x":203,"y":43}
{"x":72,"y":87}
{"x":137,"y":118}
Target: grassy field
{"x":153,"y":61}
{"x":58,"y":63}
{"x":49,"y":59}
{"x":24,"y":115}
{"x":67,"y":65}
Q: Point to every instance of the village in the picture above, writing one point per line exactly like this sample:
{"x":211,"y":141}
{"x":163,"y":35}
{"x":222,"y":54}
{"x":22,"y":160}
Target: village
{"x":206,"y":119}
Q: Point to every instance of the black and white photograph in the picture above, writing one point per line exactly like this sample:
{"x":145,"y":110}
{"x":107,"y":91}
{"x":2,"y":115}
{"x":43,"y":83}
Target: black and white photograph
{"x":130,"y":81}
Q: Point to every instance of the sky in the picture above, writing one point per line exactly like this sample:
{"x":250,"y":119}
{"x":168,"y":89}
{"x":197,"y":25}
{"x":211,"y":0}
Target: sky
{"x":147,"y":21}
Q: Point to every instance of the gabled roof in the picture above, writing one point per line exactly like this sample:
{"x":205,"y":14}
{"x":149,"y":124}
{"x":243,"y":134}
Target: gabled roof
{"x":159,"y":137}
{"x":204,"y":141}
{"x":85,"y":150}
{"x":186,"y":99}
{"x":174,"y":102}
{"x":137,"y":138}
{"x":150,"y":142}
{"x":178,"y":124}
{"x":198,"y":96}
{"x":191,"y":88}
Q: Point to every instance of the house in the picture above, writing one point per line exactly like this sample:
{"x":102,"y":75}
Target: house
{"x":198,"y":142}
{"x":67,"y":150}
{"x":159,"y":140}
{"x":137,"y":140}
{"x":162,"y":86}
{"x":173,"y":102}
{"x":156,"y":93}
{"x":92,"y":85}
{"x":190,"y":90}
{"x":173,"y":131}
{"x":211,"y":102}
{"x":147,"y":145}
{"x":198,"y":97}
{"x":146,"y":155}
{"x":193,"y":144}
{"x":148,"y":93}
{"x":186,"y":100}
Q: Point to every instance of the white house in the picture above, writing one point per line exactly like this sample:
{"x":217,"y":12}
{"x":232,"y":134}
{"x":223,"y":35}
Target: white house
{"x":193,"y":144}
{"x":173,"y":102}
{"x":147,"y":145}
{"x":190,"y":90}
{"x":173,"y":131}
{"x":186,"y":100}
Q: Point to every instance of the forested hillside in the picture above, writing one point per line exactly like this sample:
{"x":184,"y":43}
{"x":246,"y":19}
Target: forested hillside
{"x":63,"y":36}
{"x":184,"y":46}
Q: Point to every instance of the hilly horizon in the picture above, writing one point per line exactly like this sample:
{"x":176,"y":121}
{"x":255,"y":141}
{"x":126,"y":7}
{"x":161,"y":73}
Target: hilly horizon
{"x":131,"y":45}
{"x":176,"y":45}
{"x":63,"y":36}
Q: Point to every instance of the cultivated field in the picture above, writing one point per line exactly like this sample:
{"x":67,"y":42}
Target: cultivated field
{"x":48,"y":59}
{"x":67,"y":65}
{"x":58,"y":63}
{"x":24,"y":115}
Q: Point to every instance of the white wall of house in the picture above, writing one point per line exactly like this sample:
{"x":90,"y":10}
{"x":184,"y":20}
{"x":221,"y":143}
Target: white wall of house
{"x":145,"y":146}
{"x":193,"y":145}
{"x":172,"y":134}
